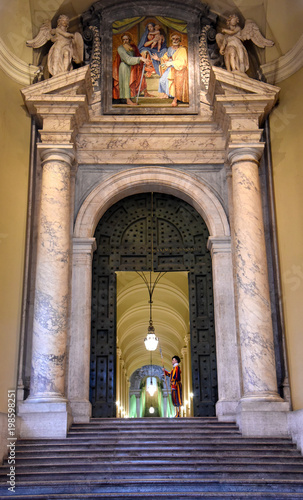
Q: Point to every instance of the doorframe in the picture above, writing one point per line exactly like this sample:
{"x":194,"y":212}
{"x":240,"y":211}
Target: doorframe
{"x":207,"y":203}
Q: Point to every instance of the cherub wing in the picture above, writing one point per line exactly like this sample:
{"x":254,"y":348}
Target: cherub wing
{"x":43,"y":36}
{"x":78,"y":47}
{"x":251,"y":32}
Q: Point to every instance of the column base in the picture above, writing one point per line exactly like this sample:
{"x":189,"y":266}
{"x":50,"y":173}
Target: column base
{"x":44,"y":419}
{"x":295,"y":425}
{"x":226,"y":411}
{"x":263,"y":418}
{"x":81,"y":411}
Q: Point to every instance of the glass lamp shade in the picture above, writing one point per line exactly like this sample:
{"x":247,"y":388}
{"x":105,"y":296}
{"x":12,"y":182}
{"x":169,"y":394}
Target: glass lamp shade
{"x":151,"y":410}
{"x":151,"y":389}
{"x":151,"y":341}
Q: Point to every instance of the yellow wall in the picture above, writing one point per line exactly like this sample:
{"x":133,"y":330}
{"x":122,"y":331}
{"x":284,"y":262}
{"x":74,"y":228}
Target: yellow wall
{"x":287,"y":151}
{"x":14,"y":147}
{"x":16,"y":27}
{"x":284,"y":20}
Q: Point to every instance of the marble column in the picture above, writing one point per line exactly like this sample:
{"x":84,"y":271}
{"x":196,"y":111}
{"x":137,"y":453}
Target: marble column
{"x":165,"y":405}
{"x":118,"y":386}
{"x":254,"y":311}
{"x":228,"y":362}
{"x":51,"y":307}
{"x":52,"y":279}
{"x":255,"y":325}
{"x":80,"y":329}
{"x":128,"y":405}
{"x":138,"y":406}
{"x":185,"y":395}
{"x":189,"y":410}
{"x":122,"y":392}
{"x":125,"y":391}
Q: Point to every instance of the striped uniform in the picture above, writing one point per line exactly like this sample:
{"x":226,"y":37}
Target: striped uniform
{"x":175,"y":384}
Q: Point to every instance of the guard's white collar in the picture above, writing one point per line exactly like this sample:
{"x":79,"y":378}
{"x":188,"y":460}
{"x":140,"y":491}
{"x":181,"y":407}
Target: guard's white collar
{"x":175,"y":364}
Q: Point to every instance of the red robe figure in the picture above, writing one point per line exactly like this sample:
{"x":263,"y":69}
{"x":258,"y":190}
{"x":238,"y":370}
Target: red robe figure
{"x":127,"y":71}
{"x":175,"y":384}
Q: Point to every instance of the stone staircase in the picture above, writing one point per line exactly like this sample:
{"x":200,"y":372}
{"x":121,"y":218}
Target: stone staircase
{"x":153,"y":459}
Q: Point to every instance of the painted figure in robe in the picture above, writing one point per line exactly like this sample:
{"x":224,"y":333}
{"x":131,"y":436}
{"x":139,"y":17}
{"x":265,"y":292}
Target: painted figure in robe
{"x":148,"y":48}
{"x":174,"y":79}
{"x":127,"y":71}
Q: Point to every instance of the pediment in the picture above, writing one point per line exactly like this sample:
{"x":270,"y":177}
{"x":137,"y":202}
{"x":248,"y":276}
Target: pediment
{"x":233,"y":84}
{"x":76,"y":82}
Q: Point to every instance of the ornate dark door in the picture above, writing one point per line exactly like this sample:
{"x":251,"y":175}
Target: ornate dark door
{"x":131,"y":234}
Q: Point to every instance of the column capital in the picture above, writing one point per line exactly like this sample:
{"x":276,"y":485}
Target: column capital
{"x":219,"y":244}
{"x":58,"y":152}
{"x":245,"y":153}
{"x":187,"y":339}
{"x":84,"y":246}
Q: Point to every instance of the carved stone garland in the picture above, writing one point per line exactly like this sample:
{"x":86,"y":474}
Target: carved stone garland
{"x":205,"y":65}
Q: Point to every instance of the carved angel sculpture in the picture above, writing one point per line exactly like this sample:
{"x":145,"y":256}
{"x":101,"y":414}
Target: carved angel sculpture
{"x":231,"y":46}
{"x":67,"y":47}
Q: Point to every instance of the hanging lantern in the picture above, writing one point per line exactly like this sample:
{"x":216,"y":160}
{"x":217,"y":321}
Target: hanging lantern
{"x":151,"y":341}
{"x":151,"y":410}
{"x":151,"y":389}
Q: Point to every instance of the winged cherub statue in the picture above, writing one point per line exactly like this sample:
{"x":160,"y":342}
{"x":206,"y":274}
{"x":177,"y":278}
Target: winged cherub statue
{"x":67,"y":47}
{"x":231,"y":46}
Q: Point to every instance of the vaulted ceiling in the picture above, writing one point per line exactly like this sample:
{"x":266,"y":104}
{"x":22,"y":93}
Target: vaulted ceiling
{"x":170,"y":313}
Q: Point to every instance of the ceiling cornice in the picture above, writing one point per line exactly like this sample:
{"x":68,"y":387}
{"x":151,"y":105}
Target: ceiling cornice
{"x":18,"y":70}
{"x":285,"y":66}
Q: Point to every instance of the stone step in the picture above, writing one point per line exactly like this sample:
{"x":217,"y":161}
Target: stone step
{"x":210,"y":438}
{"x":139,"y":453}
{"x":190,"y":495}
{"x":155,"y":486}
{"x":180,"y":424}
{"x":121,"y":445}
{"x":148,"y":468}
{"x":209,"y":459}
{"x":152,"y":446}
{"x":153,"y":459}
{"x":156,"y":432}
{"x":35,"y":477}
{"x":162,"y":420}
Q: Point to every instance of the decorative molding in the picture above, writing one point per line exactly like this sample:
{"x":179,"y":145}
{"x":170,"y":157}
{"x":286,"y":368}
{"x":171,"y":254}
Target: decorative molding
{"x":18,"y":70}
{"x":205,"y":65}
{"x":219,"y":245}
{"x":285,"y":66}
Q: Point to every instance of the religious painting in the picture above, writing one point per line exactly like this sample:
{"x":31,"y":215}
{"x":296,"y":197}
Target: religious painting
{"x":150,"y":63}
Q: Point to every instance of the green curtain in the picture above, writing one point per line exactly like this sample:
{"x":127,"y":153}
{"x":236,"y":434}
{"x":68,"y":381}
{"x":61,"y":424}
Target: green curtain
{"x":170,"y":22}
{"x":175,"y":24}
{"x":142,"y":402}
{"x":126,"y":24}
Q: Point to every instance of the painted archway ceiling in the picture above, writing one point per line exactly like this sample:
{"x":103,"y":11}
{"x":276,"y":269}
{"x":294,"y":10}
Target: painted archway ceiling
{"x":170,"y":317}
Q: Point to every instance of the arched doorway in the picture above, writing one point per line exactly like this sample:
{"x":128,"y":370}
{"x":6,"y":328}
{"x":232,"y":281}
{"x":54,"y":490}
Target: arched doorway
{"x":164,"y":233}
{"x":209,"y":205}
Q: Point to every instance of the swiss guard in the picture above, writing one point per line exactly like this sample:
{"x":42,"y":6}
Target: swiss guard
{"x":175,"y":384}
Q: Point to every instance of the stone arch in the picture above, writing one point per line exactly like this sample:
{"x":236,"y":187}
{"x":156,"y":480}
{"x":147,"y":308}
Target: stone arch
{"x":207,"y":203}
{"x":144,"y":179}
